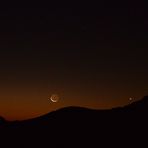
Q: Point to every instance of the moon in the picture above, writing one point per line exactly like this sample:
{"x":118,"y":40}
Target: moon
{"x":54,"y":98}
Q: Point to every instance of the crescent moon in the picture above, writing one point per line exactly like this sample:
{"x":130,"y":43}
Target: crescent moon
{"x":54,"y":98}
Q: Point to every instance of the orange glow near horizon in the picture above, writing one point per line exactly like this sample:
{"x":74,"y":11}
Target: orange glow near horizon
{"x":24,"y":106}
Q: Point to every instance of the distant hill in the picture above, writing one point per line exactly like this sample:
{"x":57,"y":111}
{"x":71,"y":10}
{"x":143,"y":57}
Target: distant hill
{"x":81,"y":127}
{"x":2,"y":120}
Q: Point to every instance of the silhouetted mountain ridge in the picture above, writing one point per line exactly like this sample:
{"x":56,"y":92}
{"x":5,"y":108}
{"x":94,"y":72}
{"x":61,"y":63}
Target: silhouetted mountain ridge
{"x":142,"y":104}
{"x":81,"y":127}
{"x":2,"y":120}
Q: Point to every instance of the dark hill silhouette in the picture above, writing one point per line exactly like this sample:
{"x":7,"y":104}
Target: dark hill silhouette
{"x":81,"y":127}
{"x":2,"y":121}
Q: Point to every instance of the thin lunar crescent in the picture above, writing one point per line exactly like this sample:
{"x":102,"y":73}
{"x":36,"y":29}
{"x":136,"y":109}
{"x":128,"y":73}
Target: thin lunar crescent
{"x":54,"y":98}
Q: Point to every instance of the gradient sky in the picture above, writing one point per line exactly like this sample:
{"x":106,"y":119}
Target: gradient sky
{"x":93,"y":56}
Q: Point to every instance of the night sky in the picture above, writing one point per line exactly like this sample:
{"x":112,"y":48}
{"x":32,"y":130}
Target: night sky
{"x":92,"y":55}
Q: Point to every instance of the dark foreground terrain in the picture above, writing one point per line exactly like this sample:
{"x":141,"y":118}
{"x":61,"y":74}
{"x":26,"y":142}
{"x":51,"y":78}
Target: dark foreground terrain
{"x":80,"y":127}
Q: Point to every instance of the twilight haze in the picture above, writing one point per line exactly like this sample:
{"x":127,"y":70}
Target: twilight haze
{"x":95,"y":57}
